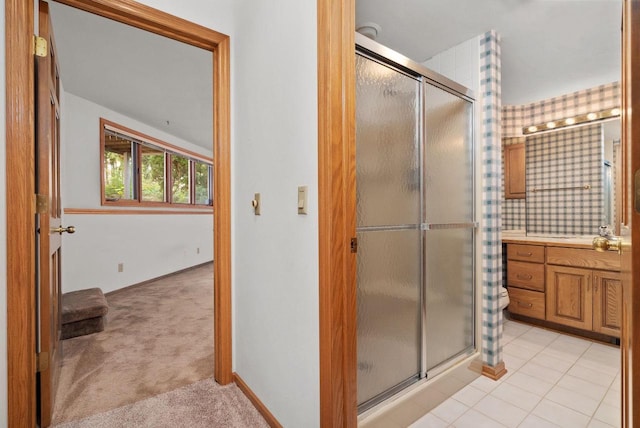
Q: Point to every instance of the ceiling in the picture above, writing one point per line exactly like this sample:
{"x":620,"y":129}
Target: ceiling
{"x":549,"y":47}
{"x":158,"y":81}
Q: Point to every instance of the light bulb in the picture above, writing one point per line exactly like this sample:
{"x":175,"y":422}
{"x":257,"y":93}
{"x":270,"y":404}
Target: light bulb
{"x":551,"y":125}
{"x":592,"y":116}
{"x":532,"y":128}
{"x":570,"y":121}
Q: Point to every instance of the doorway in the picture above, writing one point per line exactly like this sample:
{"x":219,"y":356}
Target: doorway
{"x":20,"y":134}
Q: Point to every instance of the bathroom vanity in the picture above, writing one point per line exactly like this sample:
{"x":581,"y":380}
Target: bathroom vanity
{"x":564,"y":284}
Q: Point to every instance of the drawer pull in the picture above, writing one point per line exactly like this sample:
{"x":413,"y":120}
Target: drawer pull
{"x":520,"y":253}
{"x":525,"y":305}
{"x":524,"y":276}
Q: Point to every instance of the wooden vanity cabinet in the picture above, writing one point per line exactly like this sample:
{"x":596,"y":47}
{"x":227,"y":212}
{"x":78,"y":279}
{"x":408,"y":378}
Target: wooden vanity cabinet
{"x":576,"y":287}
{"x":607,"y":302}
{"x":525,"y":280}
{"x":569,"y":297}
{"x":514,"y":171}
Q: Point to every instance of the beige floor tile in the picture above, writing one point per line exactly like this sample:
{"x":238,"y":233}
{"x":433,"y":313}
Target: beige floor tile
{"x":505,"y":413}
{"x":530,"y":383}
{"x":469,"y":395}
{"x":608,"y":414}
{"x":429,"y":421}
{"x":406,"y":414}
{"x":450,"y":410}
{"x":475,"y":419}
{"x":560,"y":415}
{"x":613,"y":398}
{"x":533,"y":421}
{"x":517,"y":396}
{"x":541,"y":372}
{"x":581,"y":386}
{"x":573,"y":400}
{"x":591,"y":375}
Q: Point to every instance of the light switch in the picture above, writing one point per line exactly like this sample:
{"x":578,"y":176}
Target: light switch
{"x":302,"y":199}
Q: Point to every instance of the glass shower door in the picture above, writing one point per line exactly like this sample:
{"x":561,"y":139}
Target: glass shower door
{"x":449,"y":227}
{"x":388,"y":230}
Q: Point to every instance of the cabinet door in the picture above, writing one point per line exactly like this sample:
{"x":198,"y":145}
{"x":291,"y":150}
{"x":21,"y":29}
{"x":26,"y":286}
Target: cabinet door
{"x":607,"y":302}
{"x":569,"y":296}
{"x":514,"y":171}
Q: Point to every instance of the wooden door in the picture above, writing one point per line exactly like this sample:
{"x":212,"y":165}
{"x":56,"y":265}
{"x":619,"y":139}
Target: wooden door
{"x":607,"y":302}
{"x":48,"y":242}
{"x":630,"y":340}
{"x":569,"y":296}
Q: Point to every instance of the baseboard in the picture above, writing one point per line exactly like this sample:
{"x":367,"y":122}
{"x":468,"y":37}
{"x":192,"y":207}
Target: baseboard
{"x":496,"y":372}
{"x":145,"y":282}
{"x":271,"y":420}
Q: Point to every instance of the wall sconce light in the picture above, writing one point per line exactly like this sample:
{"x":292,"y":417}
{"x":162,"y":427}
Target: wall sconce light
{"x":576,"y":120}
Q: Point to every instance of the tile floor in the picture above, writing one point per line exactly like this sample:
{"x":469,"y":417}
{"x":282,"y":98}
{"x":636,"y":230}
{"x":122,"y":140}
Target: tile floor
{"x":553,"y":380}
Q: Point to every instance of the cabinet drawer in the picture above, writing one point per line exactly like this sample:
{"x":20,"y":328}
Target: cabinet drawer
{"x":526,"y":253}
{"x":525,"y":275}
{"x":527,"y":303}
{"x":584,"y":258}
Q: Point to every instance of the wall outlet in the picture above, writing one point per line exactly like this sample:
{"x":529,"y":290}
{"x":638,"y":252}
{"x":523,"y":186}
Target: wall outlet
{"x":120,"y":267}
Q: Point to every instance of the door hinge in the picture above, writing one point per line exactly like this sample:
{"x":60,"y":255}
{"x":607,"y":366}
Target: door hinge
{"x":40,"y":46}
{"x":354,"y":245}
{"x":42,"y":204}
{"x":42,"y":361}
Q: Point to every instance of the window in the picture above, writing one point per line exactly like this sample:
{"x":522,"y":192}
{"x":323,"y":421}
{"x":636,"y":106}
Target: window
{"x":180,"y":180}
{"x":138,"y":169}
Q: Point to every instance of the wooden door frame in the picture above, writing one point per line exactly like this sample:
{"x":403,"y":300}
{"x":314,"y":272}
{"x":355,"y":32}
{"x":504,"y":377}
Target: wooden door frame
{"x":337,"y":222}
{"x":20,"y":184}
{"x":336,"y":193}
{"x":630,"y":91}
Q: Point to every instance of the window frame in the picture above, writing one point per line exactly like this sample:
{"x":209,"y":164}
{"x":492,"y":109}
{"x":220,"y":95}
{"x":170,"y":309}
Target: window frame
{"x":139,"y":140}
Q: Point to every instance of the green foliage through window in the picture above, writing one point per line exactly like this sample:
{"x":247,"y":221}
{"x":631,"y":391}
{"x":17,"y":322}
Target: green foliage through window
{"x":157,"y":174}
{"x":180,"y":177}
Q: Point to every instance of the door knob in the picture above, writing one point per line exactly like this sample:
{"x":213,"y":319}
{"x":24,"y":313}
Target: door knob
{"x":69,"y":229}
{"x":603,"y":244}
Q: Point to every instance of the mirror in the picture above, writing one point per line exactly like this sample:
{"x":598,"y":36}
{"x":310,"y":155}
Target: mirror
{"x":573,"y":181}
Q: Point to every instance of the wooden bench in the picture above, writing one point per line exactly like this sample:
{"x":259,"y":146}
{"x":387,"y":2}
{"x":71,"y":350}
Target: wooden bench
{"x":83,"y":312}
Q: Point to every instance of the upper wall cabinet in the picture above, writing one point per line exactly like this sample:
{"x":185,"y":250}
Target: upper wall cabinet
{"x":514,"y":171}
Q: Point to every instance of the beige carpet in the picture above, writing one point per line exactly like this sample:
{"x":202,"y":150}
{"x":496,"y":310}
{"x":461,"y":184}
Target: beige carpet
{"x":203,"y":404}
{"x":159,"y":337}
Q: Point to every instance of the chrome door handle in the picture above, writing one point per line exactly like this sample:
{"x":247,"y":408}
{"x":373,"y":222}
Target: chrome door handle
{"x":69,"y":229}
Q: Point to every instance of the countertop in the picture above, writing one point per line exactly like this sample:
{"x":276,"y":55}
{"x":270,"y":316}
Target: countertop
{"x":519,"y":237}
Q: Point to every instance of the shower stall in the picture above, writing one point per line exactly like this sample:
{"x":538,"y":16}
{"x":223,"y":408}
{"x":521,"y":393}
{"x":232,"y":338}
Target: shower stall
{"x":415,"y":222}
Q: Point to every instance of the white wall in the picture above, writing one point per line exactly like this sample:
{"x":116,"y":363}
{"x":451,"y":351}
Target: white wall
{"x":148,"y":245}
{"x":461,"y":63}
{"x":275,"y":256}
{"x":3,"y":240}
{"x":276,"y":331}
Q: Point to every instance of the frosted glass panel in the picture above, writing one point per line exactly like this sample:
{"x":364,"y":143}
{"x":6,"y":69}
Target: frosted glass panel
{"x":387,"y":169}
{"x":449,"y":293}
{"x":448,"y":169}
{"x":388,"y":310}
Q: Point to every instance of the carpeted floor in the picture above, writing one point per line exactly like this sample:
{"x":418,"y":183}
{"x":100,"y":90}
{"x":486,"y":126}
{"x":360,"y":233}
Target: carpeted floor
{"x":159,"y":337}
{"x":200,"y":405}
